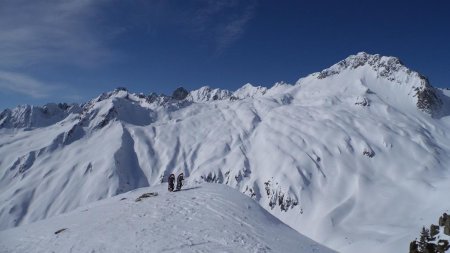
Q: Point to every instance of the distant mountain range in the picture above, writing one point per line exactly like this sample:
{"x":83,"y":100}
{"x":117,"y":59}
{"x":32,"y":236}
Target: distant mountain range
{"x":356,"y":156}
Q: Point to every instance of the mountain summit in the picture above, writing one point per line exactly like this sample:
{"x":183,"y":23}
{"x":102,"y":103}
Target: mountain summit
{"x":388,"y":69}
{"x":352,"y":156}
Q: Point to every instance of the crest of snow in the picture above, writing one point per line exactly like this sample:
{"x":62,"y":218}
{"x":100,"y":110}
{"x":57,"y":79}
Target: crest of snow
{"x":27,"y":116}
{"x":249,"y":91}
{"x":205,"y":94}
{"x":200,"y":218}
{"x":279,"y":88}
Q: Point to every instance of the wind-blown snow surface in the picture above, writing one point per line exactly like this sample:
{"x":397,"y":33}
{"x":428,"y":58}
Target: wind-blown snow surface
{"x":203,"y":218}
{"x":356,"y":156}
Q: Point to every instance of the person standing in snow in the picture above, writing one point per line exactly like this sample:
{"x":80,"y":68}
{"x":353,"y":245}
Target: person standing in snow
{"x":171,"y":182}
{"x":180,"y":179}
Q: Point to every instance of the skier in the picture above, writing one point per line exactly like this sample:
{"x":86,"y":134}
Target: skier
{"x":171,"y":182}
{"x":180,"y":179}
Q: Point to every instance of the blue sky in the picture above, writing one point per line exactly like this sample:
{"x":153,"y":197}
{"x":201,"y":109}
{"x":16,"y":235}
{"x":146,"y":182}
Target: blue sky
{"x":71,"y":51}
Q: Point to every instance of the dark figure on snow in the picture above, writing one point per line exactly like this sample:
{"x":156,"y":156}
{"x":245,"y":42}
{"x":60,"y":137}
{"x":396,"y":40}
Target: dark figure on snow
{"x":180,"y":179}
{"x":171,"y":182}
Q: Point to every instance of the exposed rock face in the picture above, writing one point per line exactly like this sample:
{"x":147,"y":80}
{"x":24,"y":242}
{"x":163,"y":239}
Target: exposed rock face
{"x":447,"y":227}
{"x":392,"y":69}
{"x":362,"y":101}
{"x":151,"y":97}
{"x":112,"y":113}
{"x":121,"y":89}
{"x":4,"y":115}
{"x":384,"y":66}
{"x":277,"y":197}
{"x":369,"y":152}
{"x":27,"y":116}
{"x":180,"y":93}
{"x":432,"y":241}
{"x":205,"y":94}
{"x":442,"y":219}
{"x":427,"y":99}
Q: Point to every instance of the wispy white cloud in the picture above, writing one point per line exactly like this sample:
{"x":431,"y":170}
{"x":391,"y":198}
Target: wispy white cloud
{"x":51,"y":31}
{"x":216,"y":23}
{"x":79,"y":32}
{"x":234,"y":28}
{"x":224,"y":20}
{"x":23,"y":84}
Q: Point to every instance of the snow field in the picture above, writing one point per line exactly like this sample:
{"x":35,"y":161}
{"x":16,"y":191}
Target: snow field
{"x":200,"y":218}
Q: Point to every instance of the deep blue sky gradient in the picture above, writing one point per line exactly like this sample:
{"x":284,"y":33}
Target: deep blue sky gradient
{"x":160,"y":45}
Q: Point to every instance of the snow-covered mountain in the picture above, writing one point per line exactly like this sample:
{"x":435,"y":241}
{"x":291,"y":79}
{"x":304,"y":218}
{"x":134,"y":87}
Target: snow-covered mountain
{"x":200,"y":218}
{"x":356,"y":156}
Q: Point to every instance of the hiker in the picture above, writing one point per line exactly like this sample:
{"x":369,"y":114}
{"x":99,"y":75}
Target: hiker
{"x":180,"y":179}
{"x":171,"y":182}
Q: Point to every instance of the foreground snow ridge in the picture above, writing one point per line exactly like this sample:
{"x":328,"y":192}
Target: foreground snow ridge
{"x":200,"y":218}
{"x":356,"y":156}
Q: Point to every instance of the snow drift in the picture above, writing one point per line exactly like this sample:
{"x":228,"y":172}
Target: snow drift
{"x":201,"y":218}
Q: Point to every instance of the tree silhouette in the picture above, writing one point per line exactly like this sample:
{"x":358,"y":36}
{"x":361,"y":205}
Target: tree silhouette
{"x":423,"y":240}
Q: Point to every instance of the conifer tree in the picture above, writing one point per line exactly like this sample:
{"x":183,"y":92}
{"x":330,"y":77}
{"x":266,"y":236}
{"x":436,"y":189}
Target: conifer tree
{"x":423,"y":240}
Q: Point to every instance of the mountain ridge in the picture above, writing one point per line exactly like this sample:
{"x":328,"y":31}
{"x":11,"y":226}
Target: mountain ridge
{"x":428,"y":98}
{"x":162,"y":221}
{"x":330,"y":157}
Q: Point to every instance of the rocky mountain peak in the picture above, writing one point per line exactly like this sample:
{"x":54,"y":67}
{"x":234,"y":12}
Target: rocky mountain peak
{"x":205,"y":94}
{"x":386,"y":66}
{"x":393,"y":70}
{"x":180,"y":93}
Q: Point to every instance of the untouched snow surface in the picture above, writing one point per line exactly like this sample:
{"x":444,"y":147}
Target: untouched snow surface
{"x":356,"y":157}
{"x":201,"y":218}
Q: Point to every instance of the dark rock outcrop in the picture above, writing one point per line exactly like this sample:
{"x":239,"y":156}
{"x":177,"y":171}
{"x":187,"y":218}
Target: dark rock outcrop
{"x":430,"y":239}
{"x":180,"y":93}
{"x":427,"y":99}
{"x":277,"y":197}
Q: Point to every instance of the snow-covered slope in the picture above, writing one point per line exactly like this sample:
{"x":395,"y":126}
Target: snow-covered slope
{"x":29,"y":117}
{"x":205,"y":94}
{"x":387,"y":77}
{"x":202,"y":218}
{"x":356,"y":156}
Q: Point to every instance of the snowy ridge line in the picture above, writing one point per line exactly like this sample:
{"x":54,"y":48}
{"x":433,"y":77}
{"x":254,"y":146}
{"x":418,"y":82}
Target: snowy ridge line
{"x":341,"y":159}
{"x":200,"y":218}
{"x":428,"y":99}
{"x":27,"y":116}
